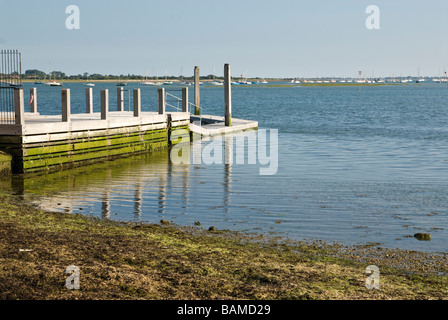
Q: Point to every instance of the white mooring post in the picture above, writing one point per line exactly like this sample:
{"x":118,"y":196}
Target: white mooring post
{"x":162,"y":101}
{"x":104,"y":104}
{"x":33,"y":100}
{"x":19,"y":106}
{"x":137,"y":103}
{"x":197,"y":99}
{"x":65,"y":96}
{"x":120,"y":99}
{"x":185,"y":99}
{"x":89,"y":100}
{"x":227,"y":95}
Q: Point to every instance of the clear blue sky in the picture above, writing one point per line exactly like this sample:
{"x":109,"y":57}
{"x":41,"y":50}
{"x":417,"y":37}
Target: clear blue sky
{"x":276,"y":38}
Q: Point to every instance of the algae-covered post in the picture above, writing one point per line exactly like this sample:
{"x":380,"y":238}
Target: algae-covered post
{"x":185,"y":99}
{"x":137,"y":103}
{"x":120,"y":99}
{"x":162,"y":100}
{"x":33,"y":100}
{"x":89,"y":100}
{"x":197,"y":100}
{"x":65,"y":96}
{"x":227,"y":95}
{"x":19,"y":106}
{"x":104,"y":104}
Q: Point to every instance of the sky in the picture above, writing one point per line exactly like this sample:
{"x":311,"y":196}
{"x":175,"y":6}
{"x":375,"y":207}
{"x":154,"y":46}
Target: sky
{"x":258,"y":38}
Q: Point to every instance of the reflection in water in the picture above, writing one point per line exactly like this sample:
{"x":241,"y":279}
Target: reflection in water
{"x":163,"y":180}
{"x":105,"y":198}
{"x":138,"y":198}
{"x":228,"y":155}
{"x":150,"y":181}
{"x":105,"y":205}
{"x":309,"y":198}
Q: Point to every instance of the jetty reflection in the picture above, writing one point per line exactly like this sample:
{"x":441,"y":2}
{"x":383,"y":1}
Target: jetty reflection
{"x":137,"y":188}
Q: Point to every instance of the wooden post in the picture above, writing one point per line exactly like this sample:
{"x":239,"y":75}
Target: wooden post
{"x":65,"y":95}
{"x":19,"y":106}
{"x":162,"y":101}
{"x":104,"y":104}
{"x":185,"y":99}
{"x":89,"y":100}
{"x":137,"y":103}
{"x":120,"y":99}
{"x":197,"y":100}
{"x":33,"y":100}
{"x":227,"y":95}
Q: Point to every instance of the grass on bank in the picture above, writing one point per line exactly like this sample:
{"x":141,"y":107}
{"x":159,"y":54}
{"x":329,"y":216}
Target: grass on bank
{"x":136,"y":261}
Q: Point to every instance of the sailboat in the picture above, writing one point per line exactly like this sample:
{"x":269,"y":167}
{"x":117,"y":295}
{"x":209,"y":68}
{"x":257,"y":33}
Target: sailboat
{"x":53,"y":83}
{"x":120,"y":83}
{"x":148,"y":83}
{"x":89,"y":84}
{"x":244,"y":81}
{"x":167,"y":82}
{"x":37,"y":81}
{"x":214,"y":82}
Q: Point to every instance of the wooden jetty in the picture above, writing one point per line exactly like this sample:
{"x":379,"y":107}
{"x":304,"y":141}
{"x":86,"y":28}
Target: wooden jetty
{"x":34,"y":142}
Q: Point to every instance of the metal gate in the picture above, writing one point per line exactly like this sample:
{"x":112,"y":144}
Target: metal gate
{"x":10,"y":78}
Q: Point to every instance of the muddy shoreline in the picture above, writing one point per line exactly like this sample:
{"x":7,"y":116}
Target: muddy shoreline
{"x":128,"y":261}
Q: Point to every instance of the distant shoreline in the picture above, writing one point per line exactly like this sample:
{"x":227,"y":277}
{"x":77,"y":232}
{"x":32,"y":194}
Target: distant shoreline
{"x":132,"y":80}
{"x":272,"y":83}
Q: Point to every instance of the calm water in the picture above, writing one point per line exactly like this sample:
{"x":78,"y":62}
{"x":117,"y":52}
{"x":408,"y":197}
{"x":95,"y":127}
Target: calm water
{"x":353,"y":168}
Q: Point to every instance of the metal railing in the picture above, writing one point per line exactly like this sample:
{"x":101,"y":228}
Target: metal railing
{"x":172,"y":98}
{"x":176,"y":100}
{"x":10,"y":78}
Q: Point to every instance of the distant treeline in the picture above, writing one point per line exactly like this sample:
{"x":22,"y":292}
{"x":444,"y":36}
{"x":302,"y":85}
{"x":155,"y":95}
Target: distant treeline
{"x":37,"y":74}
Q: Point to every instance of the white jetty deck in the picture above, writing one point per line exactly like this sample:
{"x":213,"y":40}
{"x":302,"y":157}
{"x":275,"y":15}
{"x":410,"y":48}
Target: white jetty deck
{"x":35,"y":123}
{"x":215,"y":125}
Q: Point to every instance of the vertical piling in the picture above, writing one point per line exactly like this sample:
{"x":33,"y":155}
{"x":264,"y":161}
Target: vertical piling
{"x":33,"y":100}
{"x":66,"y":112}
{"x":104,"y":104}
{"x":227,"y":95}
{"x":120,"y":99}
{"x":185,"y":99}
{"x":162,"y":101}
{"x":137,"y":103}
{"x":19,"y":106}
{"x":89,"y":100}
{"x":197,"y":100}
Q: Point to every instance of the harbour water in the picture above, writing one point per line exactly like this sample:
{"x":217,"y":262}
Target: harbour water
{"x":368,"y":167}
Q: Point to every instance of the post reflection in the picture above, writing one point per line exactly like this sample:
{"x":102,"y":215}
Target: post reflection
{"x":105,"y":198}
{"x":228,"y":157}
{"x":164,"y":178}
{"x":138,"y":199}
{"x":105,"y":205}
